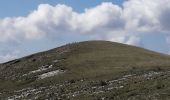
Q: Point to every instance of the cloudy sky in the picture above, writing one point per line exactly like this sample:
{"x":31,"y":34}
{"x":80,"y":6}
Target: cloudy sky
{"x":29,"y":26}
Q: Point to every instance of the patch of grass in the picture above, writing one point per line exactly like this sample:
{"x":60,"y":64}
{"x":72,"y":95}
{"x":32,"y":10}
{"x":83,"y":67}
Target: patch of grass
{"x":92,"y":62}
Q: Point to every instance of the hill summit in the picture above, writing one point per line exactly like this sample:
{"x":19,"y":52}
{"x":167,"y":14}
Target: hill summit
{"x":88,"y":70}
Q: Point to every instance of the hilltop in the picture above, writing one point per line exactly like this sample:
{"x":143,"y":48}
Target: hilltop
{"x":88,"y":70}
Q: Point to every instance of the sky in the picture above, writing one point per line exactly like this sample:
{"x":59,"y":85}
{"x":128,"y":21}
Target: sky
{"x":30,"y":26}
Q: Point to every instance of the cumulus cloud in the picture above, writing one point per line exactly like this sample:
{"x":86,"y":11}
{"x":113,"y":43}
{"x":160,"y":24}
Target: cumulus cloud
{"x":134,"y":16}
{"x":8,"y":55}
{"x":105,"y":17}
{"x":61,"y":19}
{"x":106,"y":21}
{"x":126,"y":39}
{"x":146,"y":15}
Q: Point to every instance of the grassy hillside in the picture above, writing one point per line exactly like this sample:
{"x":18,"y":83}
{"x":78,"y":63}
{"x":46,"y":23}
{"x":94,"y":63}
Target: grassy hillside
{"x":91,"y":70}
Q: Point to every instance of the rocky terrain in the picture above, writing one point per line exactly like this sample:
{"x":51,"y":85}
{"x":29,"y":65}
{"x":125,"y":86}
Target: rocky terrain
{"x":91,"y":70}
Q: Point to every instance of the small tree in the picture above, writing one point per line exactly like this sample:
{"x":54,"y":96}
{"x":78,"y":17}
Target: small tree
{"x":103,"y":83}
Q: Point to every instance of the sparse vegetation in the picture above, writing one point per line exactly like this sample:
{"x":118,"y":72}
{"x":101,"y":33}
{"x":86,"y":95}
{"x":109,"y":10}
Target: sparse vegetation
{"x":88,"y":70}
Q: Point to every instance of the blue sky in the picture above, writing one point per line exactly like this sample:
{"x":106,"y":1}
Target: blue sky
{"x":12,"y":8}
{"x":32,"y":26}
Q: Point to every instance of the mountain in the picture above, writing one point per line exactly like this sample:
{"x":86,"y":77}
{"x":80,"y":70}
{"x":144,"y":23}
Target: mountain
{"x":97,"y":70}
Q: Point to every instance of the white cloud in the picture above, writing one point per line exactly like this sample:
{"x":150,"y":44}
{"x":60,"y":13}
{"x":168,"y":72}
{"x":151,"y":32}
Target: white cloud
{"x":126,"y":39}
{"x":146,"y":15}
{"x":9,"y":55}
{"x":105,"y":17}
{"x":135,"y":16}
{"x":140,"y":15}
{"x":61,"y":19}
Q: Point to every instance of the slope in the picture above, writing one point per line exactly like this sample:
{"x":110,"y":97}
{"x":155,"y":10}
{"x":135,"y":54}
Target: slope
{"x":93,"y":69}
